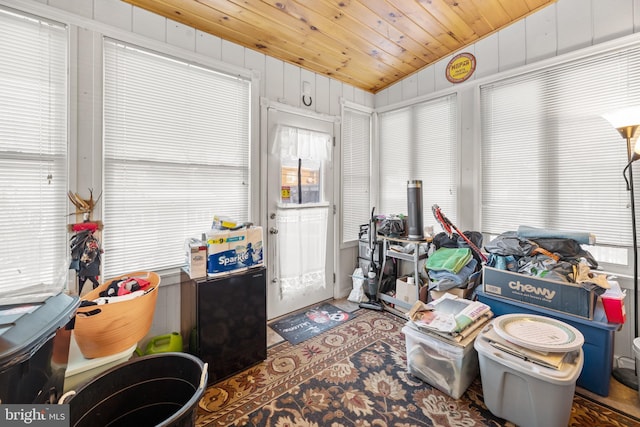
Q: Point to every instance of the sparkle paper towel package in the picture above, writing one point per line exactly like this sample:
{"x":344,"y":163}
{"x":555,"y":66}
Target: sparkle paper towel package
{"x":233,"y":250}
{"x":254,"y":247}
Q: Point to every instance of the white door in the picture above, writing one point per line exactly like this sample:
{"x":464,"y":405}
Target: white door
{"x":299,"y":211}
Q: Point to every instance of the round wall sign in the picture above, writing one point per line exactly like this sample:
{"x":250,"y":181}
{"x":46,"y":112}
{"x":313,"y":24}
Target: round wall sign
{"x":461,"y":67}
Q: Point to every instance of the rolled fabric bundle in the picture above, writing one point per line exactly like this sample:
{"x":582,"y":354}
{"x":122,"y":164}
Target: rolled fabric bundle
{"x":527,"y":232}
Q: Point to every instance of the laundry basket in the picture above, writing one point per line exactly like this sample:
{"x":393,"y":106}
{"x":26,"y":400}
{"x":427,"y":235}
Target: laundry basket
{"x":103,"y":330}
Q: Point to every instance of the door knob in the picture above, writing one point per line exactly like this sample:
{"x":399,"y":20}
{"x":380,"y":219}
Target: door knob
{"x":273,"y":230}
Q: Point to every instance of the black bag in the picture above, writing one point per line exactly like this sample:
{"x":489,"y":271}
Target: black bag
{"x":391,"y":227}
{"x":442,"y":240}
{"x":567,"y":249}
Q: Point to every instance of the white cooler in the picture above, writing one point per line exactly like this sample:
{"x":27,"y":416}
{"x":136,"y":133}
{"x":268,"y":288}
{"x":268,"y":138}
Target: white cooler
{"x":526,"y":393}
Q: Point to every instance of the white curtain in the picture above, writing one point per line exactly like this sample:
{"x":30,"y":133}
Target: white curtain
{"x":303,"y":144}
{"x":302,"y":247}
{"x":302,"y":229}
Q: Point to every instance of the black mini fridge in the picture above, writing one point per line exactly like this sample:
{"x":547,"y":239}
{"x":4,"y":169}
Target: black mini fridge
{"x":227,"y":321}
{"x":34,"y":349}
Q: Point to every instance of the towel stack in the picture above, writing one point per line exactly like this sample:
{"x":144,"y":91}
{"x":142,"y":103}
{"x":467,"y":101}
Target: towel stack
{"x":450,"y":268}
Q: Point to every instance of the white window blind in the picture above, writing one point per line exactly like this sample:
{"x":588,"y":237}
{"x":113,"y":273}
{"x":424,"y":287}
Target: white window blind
{"x":420,"y":142}
{"x":176,"y":147}
{"x":33,"y":152}
{"x":356,"y":171}
{"x":548,"y":157}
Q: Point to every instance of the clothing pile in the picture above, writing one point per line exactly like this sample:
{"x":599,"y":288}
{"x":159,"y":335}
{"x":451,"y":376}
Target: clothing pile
{"x":129,"y":286}
{"x":120,"y":290}
{"x":554,"y":258}
{"x":453,"y":264}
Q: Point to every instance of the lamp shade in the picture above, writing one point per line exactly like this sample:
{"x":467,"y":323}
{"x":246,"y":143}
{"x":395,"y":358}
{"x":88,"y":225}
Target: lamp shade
{"x":636,"y":153}
{"x":624,"y":117}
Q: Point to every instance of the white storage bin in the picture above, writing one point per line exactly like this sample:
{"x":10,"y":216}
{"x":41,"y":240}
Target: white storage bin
{"x":81,"y":370}
{"x":448,"y":366}
{"x":525,"y":393}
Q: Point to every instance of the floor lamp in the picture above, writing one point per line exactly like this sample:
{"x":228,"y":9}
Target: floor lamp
{"x":627,"y":122}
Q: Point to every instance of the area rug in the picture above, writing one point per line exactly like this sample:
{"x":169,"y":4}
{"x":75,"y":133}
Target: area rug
{"x":299,"y":327}
{"x":355,"y":375}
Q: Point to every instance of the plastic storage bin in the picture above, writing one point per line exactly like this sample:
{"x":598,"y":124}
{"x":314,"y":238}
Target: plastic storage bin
{"x":81,"y":370}
{"x":34,"y":349}
{"x":525,"y":393}
{"x":446,"y":366}
{"x":598,"y":340}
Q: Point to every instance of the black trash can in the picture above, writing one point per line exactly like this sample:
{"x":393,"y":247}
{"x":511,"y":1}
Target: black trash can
{"x":156,"y":390}
{"x":34,"y":349}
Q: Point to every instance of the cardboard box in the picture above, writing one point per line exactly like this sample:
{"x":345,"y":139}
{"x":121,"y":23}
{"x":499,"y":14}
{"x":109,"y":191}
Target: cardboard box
{"x":196,"y":258}
{"x":406,"y":292}
{"x":459,"y":292}
{"x":562,"y":297}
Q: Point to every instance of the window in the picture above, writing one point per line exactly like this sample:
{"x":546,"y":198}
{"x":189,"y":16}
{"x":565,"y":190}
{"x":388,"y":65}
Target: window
{"x":548,"y":157}
{"x":33,"y":154}
{"x":304,"y":158}
{"x":177,"y":138}
{"x":420,"y":142}
{"x":356,"y":171}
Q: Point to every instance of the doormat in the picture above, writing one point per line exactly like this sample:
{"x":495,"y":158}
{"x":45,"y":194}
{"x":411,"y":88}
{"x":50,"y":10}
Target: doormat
{"x":307,"y":324}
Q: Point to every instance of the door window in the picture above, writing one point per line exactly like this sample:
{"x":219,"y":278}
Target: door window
{"x":303,"y":156}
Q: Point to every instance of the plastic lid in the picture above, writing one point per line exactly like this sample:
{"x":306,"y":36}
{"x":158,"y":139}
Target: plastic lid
{"x":538,"y":333}
{"x":26,"y":328}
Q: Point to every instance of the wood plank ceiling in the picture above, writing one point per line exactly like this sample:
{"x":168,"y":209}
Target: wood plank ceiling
{"x":369,"y":44}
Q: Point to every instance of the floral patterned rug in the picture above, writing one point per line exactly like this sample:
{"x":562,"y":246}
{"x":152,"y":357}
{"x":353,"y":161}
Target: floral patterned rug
{"x":355,"y":375}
